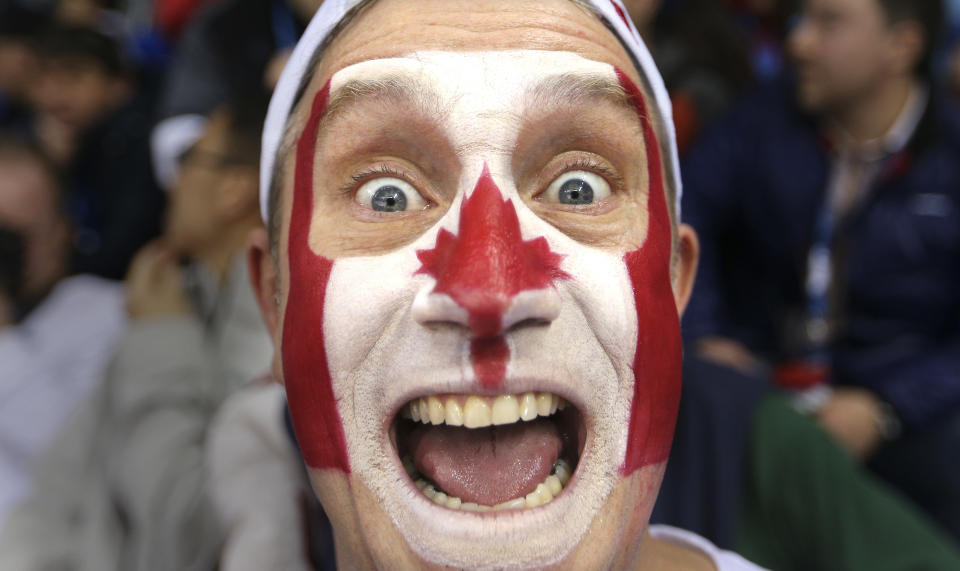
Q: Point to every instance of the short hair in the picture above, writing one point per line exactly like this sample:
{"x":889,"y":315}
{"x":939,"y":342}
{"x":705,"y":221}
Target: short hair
{"x":84,"y":45}
{"x":930,"y":16}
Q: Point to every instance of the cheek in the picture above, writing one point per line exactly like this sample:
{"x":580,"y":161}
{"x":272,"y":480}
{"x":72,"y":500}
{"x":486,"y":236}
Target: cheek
{"x":658,"y":358}
{"x":657,"y":363}
{"x":306,"y":372}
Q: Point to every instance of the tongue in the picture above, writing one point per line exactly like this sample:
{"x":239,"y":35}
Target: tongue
{"x":487,"y":466}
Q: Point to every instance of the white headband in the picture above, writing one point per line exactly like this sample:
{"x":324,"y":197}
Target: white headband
{"x":332,"y":11}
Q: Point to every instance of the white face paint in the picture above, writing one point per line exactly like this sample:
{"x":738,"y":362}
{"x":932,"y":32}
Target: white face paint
{"x":390,"y":338}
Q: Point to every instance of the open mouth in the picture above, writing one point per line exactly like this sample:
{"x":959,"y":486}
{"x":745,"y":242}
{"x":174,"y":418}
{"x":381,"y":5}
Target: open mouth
{"x":477,"y":453}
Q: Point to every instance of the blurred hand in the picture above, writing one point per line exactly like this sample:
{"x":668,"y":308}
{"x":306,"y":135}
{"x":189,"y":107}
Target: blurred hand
{"x":728,"y":353}
{"x":853,"y":418}
{"x":154,"y":284}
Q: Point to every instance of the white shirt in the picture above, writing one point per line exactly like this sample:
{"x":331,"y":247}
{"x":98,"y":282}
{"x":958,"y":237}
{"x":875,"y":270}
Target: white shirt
{"x":49,"y":363}
{"x":723,"y":560}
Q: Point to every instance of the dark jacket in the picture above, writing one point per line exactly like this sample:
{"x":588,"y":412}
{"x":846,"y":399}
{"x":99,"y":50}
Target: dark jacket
{"x":753,"y":189}
{"x":113,"y":198}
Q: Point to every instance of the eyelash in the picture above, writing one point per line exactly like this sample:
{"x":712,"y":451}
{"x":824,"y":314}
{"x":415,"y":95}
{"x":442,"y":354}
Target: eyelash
{"x":579,"y":163}
{"x":363,"y":176}
{"x":594,"y":166}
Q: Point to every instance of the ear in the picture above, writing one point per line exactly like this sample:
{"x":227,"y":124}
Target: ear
{"x":236,"y":193}
{"x":263,"y":279}
{"x":685,"y":266}
{"x":909,"y":42}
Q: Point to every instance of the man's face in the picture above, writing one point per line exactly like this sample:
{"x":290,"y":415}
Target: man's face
{"x":17,"y":64}
{"x":479,"y":337}
{"x":192,"y":216}
{"x":77,"y":92}
{"x":28,"y":207}
{"x":842,"y":49}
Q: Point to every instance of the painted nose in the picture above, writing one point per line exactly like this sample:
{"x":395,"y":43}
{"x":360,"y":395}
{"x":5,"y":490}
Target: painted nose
{"x":487,"y":277}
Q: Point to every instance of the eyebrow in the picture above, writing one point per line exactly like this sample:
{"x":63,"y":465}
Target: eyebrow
{"x":388,"y":89}
{"x":576,"y":88}
{"x":556,"y":91}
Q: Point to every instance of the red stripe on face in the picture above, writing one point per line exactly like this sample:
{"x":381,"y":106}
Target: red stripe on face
{"x":313,"y":407}
{"x":657,"y":363}
{"x":483,"y":269}
{"x":620,"y":13}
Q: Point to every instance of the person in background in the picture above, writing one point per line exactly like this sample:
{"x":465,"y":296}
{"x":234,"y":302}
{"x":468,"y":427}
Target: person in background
{"x":84,"y":13}
{"x":750,"y":473}
{"x":829,"y":213}
{"x":96,"y":124}
{"x":227,"y":49}
{"x":702,"y":55}
{"x":195,"y":335}
{"x":19,"y":27}
{"x":56,"y":332}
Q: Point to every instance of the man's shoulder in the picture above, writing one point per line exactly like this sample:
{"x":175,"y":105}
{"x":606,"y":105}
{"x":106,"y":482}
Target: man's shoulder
{"x":944,"y":115}
{"x":83,"y":298}
{"x":87,"y":291}
{"x":722,"y":560}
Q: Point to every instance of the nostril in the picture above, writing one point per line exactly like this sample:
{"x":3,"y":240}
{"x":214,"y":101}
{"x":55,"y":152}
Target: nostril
{"x":531,"y":307}
{"x":433,"y":309}
{"x":528,"y":323}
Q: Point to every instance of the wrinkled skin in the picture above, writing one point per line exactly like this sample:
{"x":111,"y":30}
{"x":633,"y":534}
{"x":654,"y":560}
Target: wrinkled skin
{"x":368,"y":339}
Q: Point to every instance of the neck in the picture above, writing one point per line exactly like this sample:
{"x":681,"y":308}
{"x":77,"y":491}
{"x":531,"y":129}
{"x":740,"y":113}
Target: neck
{"x":874,"y":114}
{"x":662,"y":556}
{"x":219,"y":256}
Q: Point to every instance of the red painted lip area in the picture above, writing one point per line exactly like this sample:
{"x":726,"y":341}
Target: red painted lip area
{"x":455,"y":458}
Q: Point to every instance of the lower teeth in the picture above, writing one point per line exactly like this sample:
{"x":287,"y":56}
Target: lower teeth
{"x":543,"y":494}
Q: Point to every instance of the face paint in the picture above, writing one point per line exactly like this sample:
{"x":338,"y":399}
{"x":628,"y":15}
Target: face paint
{"x":484,"y":268}
{"x":621,"y":13}
{"x":306,"y":374}
{"x":436,"y":317}
{"x":658,"y":360}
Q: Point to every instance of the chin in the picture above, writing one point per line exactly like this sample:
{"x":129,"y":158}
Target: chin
{"x":368,"y":535}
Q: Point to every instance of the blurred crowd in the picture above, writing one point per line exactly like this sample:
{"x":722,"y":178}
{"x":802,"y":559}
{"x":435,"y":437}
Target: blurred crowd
{"x":820,"y":149}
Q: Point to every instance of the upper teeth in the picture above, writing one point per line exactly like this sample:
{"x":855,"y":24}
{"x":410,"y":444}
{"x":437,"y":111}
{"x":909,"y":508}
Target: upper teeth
{"x":477,"y":411}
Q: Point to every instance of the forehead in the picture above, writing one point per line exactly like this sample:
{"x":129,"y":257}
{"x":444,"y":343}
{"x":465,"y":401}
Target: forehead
{"x":483,"y":90}
{"x":396,"y":28}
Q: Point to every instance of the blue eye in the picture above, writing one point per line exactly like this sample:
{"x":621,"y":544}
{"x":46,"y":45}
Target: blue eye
{"x":388,"y":194}
{"x":577,"y":188}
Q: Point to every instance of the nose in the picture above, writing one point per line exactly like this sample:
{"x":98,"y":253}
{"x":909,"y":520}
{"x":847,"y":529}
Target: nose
{"x":488,"y":278}
{"x":487,"y":313}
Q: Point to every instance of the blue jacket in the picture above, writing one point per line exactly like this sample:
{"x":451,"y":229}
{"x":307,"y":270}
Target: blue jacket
{"x":754,"y":186}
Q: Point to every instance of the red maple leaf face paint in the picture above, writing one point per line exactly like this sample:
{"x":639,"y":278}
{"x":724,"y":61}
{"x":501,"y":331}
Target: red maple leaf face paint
{"x":658,"y":360}
{"x":369,"y":333}
{"x":306,"y":373}
{"x":484,"y":267}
